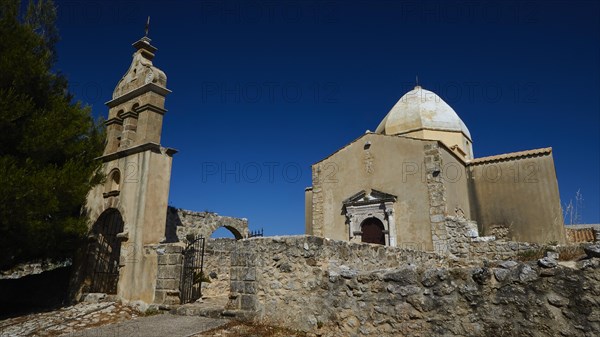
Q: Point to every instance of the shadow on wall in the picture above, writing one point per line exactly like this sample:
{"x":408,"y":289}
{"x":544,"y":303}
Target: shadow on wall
{"x":34,"y":293}
{"x":173,"y":221}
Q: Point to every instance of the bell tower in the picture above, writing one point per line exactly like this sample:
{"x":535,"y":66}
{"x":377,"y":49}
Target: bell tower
{"x":138,"y":172}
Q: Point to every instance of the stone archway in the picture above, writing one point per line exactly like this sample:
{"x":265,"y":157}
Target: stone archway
{"x":104,"y":252}
{"x":181,"y":223}
{"x":229,"y":229}
{"x":373,"y":231}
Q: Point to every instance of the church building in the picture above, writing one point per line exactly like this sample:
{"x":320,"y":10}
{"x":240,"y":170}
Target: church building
{"x":397,"y":186}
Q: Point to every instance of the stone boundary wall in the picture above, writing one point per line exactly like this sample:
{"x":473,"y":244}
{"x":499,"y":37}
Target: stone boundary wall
{"x":181,"y":223}
{"x":170,"y":264}
{"x":269,"y":272}
{"x":460,"y":235}
{"x":217,"y":265}
{"x":464,"y":243}
{"x":500,"y":250}
{"x":336,"y":288}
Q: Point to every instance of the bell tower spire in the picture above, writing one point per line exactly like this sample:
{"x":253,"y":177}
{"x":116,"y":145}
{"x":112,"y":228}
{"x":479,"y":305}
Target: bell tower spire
{"x":137,"y":106}
{"x":138,"y":171}
{"x":147,"y":26}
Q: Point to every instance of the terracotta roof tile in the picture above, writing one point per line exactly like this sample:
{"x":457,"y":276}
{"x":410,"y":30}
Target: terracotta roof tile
{"x":512,"y":155}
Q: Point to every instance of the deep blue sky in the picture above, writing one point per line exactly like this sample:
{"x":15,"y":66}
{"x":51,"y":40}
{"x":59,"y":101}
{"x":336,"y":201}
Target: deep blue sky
{"x":279,"y":86}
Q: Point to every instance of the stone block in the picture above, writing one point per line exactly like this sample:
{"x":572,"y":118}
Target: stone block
{"x":404,"y":276}
{"x":170,"y":249}
{"x":163,"y":259}
{"x":239,"y":259}
{"x":436,"y":218}
{"x":236,"y":287}
{"x":250,"y":287}
{"x":527,"y":274}
{"x":249,"y":274}
{"x":435,"y":202}
{"x":169,"y":272}
{"x":248,"y":302}
{"x":167,"y":284}
{"x":94,"y":297}
{"x":174,"y":259}
{"x":234,"y":273}
{"x":160,"y":296}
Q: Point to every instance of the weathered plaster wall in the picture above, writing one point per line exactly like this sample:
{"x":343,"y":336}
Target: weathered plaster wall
{"x":146,"y":198}
{"x":308,"y":219}
{"x":392,"y":165}
{"x":142,"y":201}
{"x":521,"y":194}
{"x":456,"y":181}
{"x":334,"y":288}
{"x":449,"y":138}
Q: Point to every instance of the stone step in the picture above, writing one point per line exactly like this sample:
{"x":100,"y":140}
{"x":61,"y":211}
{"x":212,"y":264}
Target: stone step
{"x":197,"y":310}
{"x":207,"y":307}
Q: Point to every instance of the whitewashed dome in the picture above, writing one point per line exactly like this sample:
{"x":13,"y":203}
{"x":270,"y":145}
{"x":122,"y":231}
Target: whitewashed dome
{"x":421,"y":109}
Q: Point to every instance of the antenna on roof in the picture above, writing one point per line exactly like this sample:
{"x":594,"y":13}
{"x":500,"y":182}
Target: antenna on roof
{"x":417,"y":80}
{"x":147,"y":26}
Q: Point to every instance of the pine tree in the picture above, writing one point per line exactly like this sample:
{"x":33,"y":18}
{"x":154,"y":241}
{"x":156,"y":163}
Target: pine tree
{"x":48,"y":142}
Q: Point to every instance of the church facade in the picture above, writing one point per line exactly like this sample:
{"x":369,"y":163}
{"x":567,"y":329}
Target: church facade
{"x":396,"y":186}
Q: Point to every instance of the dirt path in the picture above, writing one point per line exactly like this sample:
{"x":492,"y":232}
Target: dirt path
{"x":157,"y":325}
{"x":105,"y":319}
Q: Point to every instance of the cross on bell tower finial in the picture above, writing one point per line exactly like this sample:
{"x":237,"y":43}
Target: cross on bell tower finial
{"x":147,"y":26}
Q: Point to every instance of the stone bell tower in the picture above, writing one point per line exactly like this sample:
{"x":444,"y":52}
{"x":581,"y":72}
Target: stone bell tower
{"x":128,"y":212}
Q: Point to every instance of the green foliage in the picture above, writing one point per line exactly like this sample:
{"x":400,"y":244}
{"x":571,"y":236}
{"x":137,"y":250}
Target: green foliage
{"x":48,"y":142}
{"x":200,"y":277}
{"x":530,"y":254}
{"x":565,"y":253}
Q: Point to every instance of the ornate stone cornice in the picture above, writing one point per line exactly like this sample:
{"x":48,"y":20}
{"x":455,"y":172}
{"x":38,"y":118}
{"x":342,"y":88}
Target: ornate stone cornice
{"x":156,"y":148}
{"x":137,"y":92}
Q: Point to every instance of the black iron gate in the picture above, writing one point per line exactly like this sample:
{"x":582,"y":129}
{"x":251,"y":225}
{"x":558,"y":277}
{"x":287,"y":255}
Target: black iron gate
{"x":104,"y":252}
{"x":192,"y":272}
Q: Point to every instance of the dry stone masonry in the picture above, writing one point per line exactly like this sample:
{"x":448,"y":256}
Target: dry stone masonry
{"x":181,"y":223}
{"x":336,"y":288}
{"x":267,"y":273}
{"x":217,"y":266}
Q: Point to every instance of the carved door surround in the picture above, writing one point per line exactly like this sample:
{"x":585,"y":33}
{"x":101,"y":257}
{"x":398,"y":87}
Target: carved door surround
{"x":375,"y":204}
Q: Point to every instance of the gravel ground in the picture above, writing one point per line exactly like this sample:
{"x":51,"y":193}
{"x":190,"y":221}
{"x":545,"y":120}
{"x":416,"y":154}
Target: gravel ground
{"x":67,"y":320}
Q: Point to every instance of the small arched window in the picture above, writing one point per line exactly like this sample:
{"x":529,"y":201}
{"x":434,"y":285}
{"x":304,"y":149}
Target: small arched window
{"x":113,"y":183}
{"x":115,"y":180}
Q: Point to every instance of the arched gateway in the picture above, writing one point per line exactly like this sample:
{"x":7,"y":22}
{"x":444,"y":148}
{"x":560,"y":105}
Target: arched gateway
{"x":104,"y":252}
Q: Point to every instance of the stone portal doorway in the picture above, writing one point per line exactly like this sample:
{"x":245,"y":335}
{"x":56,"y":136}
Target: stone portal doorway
{"x":104,"y":252}
{"x":373,"y":231}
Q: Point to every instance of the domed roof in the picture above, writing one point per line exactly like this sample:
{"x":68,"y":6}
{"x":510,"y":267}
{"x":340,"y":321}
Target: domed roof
{"x":421,"y":109}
